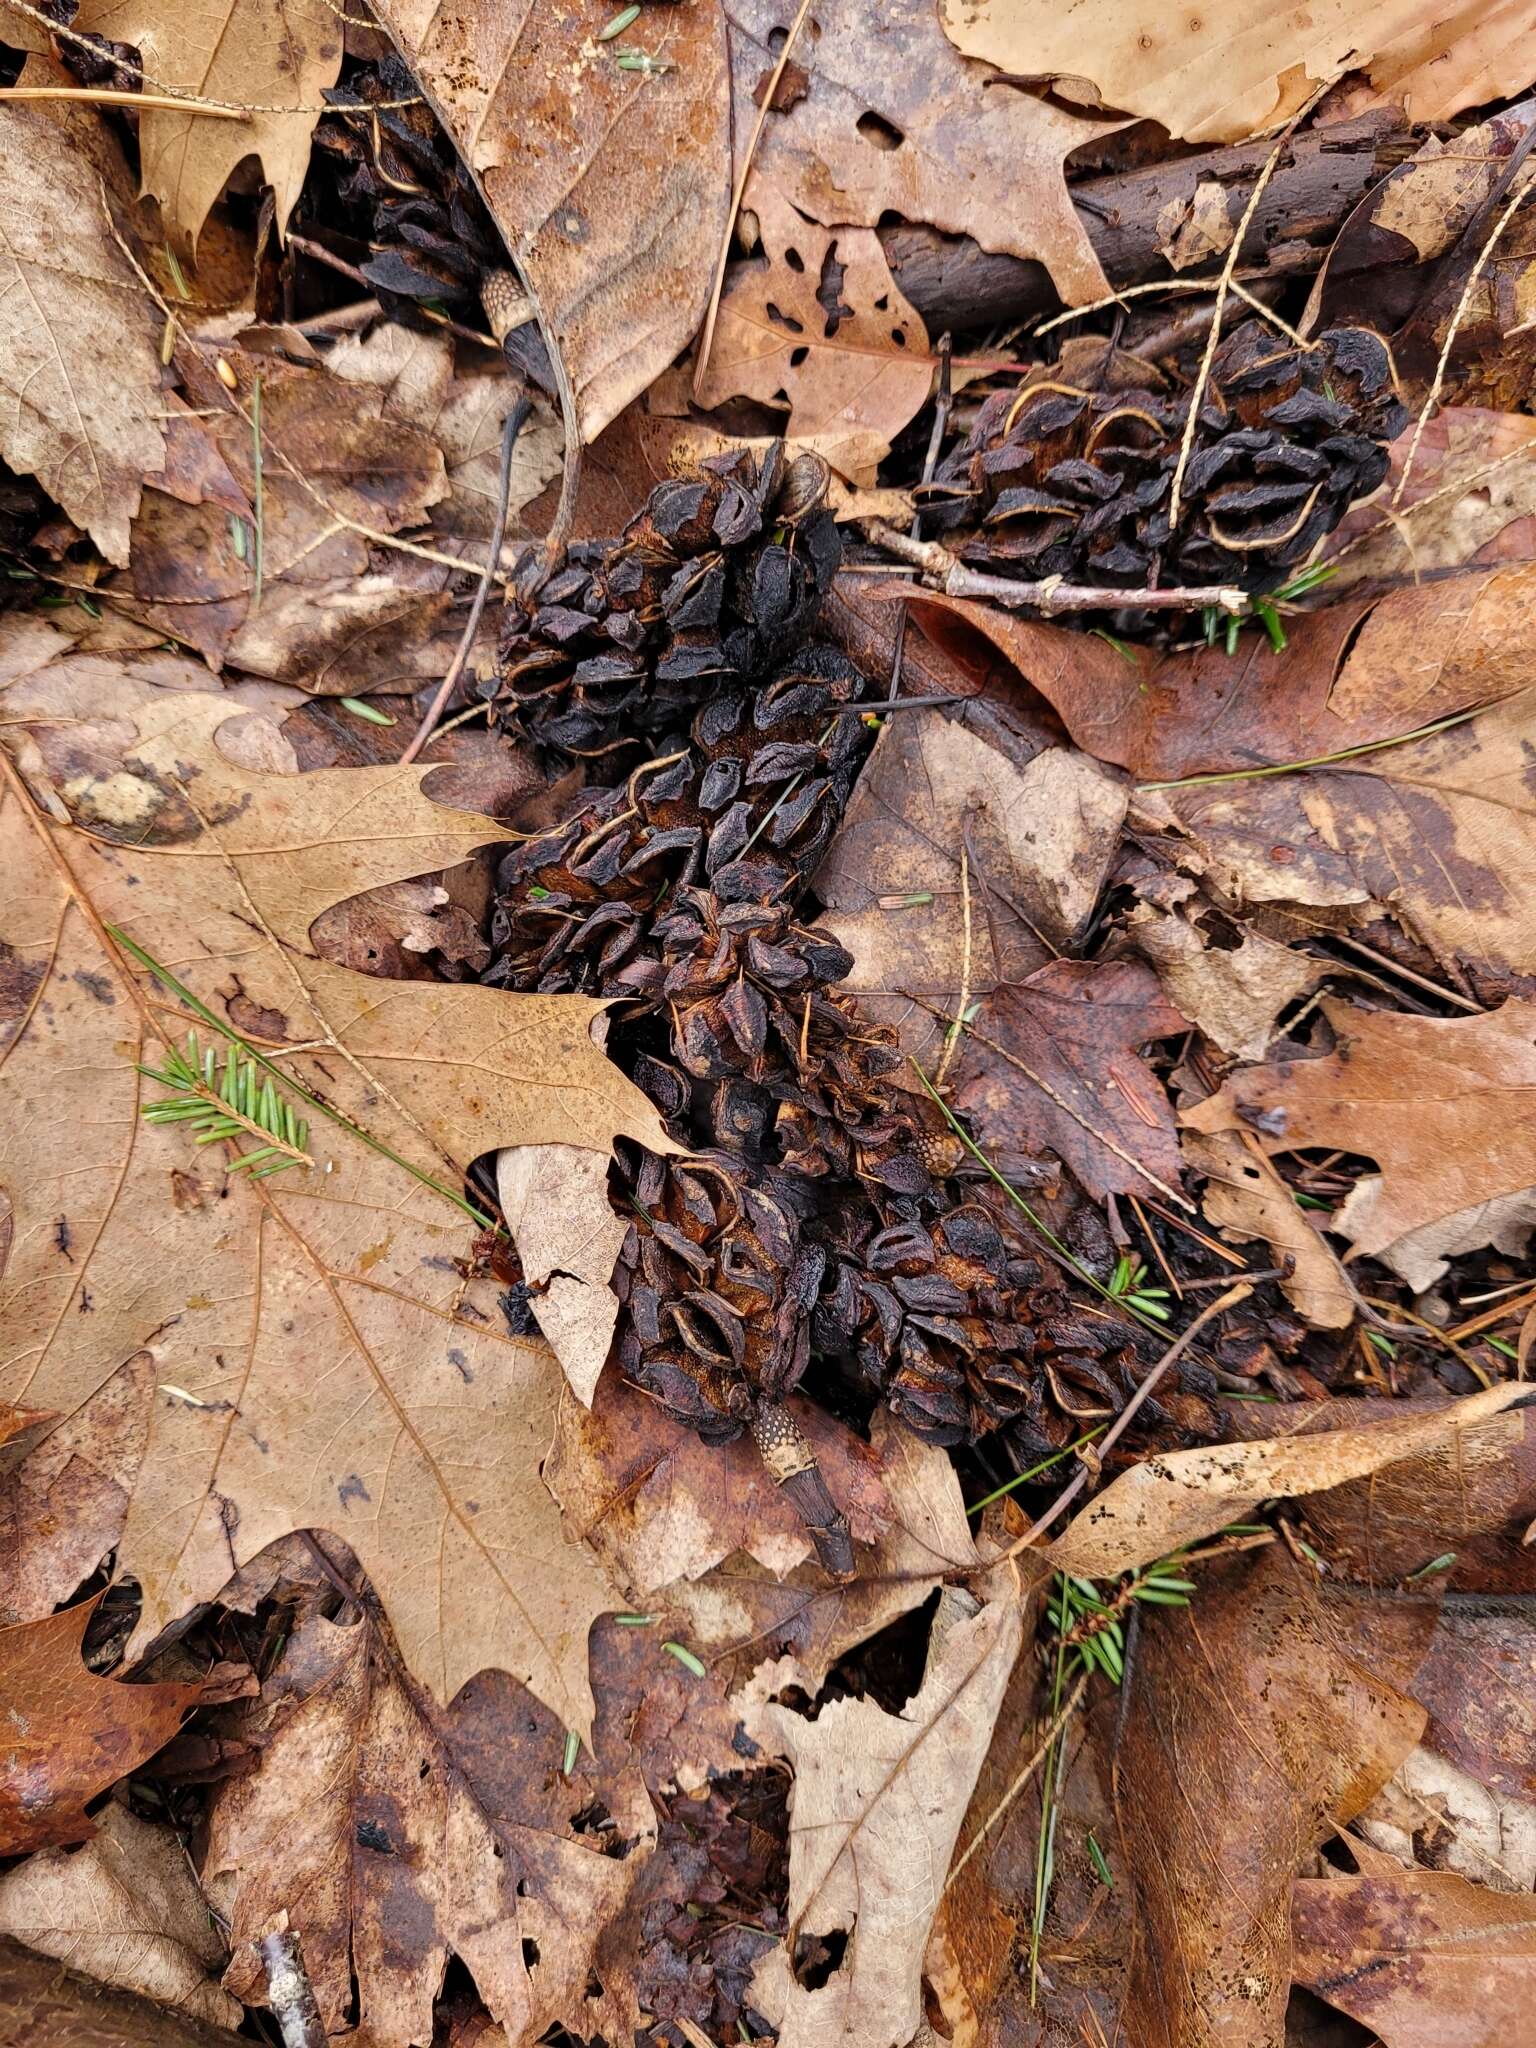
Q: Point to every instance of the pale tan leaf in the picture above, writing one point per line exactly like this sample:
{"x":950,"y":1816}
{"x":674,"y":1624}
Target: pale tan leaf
{"x":127,"y":1910}
{"x":315,"y":1358}
{"x":853,"y":368}
{"x":1245,"y":1198}
{"x":878,"y":1802}
{"x":266,"y":55}
{"x":1225,"y":70}
{"x":1174,"y":1499}
{"x":1233,"y":993}
{"x":1478,"y":467}
{"x":610,"y":185}
{"x":79,"y":339}
{"x":568,"y":1236}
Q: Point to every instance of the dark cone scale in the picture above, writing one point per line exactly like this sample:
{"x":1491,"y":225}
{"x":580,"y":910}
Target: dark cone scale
{"x":1057,"y":480}
{"x":815,"y":1216}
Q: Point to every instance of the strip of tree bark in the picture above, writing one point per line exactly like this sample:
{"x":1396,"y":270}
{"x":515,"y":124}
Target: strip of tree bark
{"x":955,"y":284}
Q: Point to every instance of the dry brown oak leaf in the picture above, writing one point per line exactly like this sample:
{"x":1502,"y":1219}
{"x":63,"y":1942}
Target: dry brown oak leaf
{"x":891,"y":120}
{"x":1221,"y":72}
{"x":1053,"y":1062}
{"x":1443,"y":1105}
{"x":69,"y":1734}
{"x":818,"y":324}
{"x":79,"y":338}
{"x":363,"y":1826}
{"x":273,"y":58}
{"x":126,"y":1907}
{"x":611,"y":185}
{"x":232,"y":1360}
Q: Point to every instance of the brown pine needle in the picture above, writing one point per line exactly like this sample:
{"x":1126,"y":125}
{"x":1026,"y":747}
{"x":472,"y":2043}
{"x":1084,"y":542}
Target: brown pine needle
{"x":101,"y":96}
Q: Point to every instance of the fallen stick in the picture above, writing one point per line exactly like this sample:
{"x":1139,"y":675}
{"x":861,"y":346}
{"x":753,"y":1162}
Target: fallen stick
{"x":945,"y":572}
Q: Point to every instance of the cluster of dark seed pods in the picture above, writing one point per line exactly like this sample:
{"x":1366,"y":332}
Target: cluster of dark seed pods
{"x":820,"y":1214}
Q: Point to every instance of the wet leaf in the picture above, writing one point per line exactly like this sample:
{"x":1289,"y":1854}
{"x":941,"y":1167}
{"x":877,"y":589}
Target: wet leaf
{"x":70,"y":1734}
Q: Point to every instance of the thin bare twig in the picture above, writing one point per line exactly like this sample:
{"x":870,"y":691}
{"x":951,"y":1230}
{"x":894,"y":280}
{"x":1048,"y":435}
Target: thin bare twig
{"x":290,"y":1993}
{"x":707,"y":337}
{"x":941,"y":409}
{"x":509,"y":433}
{"x":963,"y":1002}
{"x":1059,"y":1721}
{"x":947,"y":573}
{"x":318,"y":253}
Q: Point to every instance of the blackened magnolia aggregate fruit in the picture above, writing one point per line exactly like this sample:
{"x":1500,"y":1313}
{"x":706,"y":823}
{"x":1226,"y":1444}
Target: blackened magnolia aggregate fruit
{"x":1058,"y":480}
{"x":820,"y":1214}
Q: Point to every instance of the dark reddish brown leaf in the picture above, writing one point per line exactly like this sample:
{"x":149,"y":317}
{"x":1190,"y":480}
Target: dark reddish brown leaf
{"x":1352,"y":674}
{"x":48,"y":2005}
{"x":69,"y":1734}
{"x":1262,"y":1718}
{"x":1051,"y":1063}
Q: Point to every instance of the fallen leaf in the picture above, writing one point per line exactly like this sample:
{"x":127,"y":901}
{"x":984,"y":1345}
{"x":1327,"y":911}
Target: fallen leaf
{"x":1421,"y":1958}
{"x":818,"y":324}
{"x":461,"y":407}
{"x":1232,"y":993}
{"x":1264,"y":1718}
{"x":14,"y":1421}
{"x":420,"y":1441}
{"x":361,"y":1823}
{"x":1477,"y":1683}
{"x":611,"y":185}
{"x":1220,"y":75}
{"x":331,"y":462}
{"x":1421,"y":1257}
{"x":1192,"y":230}
{"x":1051,"y":1063}
{"x":878,"y":1801}
{"x":48,"y":2005}
{"x":905,"y":127}
{"x":1433,"y":1809}
{"x":80,"y":364}
{"x":1042,"y":827}
{"x":1352,"y":675}
{"x":1470,"y":497}
{"x":554,"y":1199}
{"x":1181,"y":1496}
{"x":274,"y":57}
{"x":1439,"y":1103}
{"x":70,"y":1734}
{"x":127,"y":1908}
{"x":1246,"y":1199}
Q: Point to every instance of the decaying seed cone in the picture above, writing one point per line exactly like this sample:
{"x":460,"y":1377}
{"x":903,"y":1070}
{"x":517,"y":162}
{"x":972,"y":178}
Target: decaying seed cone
{"x":817,"y":1224}
{"x":1059,"y":480}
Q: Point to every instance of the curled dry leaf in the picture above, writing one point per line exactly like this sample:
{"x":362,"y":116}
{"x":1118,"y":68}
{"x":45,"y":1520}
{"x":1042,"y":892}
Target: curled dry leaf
{"x":1263,"y":1719}
{"x":79,"y":339}
{"x":1177,"y":1498}
{"x":363,"y":1824}
{"x":1352,"y":675}
{"x":1052,"y":1063}
{"x":1439,"y":1103}
{"x":273,"y":57}
{"x":69,"y":1734}
{"x":568,"y":1235}
{"x":211,"y":1433}
{"x":1246,"y":1199}
{"x":1222,"y":73}
{"x":127,"y":1908}
{"x":878,"y":1801}
{"x":819,"y":324}
{"x":1419,"y":1956}
{"x":1039,"y":829}
{"x":611,"y":185}
{"x":896,"y":123}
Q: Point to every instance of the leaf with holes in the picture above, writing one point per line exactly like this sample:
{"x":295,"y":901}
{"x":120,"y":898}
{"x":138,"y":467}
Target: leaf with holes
{"x":818,"y":324}
{"x":231,"y":1361}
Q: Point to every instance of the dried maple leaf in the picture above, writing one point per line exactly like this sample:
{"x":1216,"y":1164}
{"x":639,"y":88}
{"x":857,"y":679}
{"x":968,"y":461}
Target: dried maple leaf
{"x":69,"y":1734}
{"x":878,"y":1803}
{"x":272,"y":57}
{"x":1442,"y":1105}
{"x":1038,"y":830}
{"x":79,"y":339}
{"x":1418,"y":1956}
{"x":363,"y":1824}
{"x":611,"y":184}
{"x":1051,"y":1063}
{"x":820,"y":325}
{"x":247,"y":1358}
{"x":1227,"y":72}
{"x":127,"y":1908}
{"x":892,"y":121}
